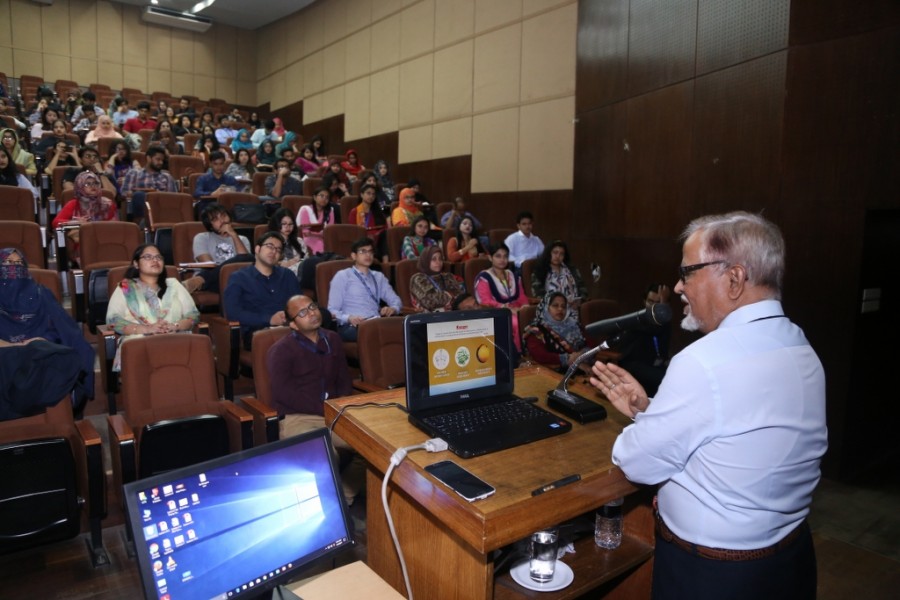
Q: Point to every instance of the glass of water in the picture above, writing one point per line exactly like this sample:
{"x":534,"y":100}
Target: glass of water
{"x":544,"y":547}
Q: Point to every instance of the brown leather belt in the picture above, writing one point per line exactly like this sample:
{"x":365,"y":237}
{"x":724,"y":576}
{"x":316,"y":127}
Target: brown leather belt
{"x":721,"y":553}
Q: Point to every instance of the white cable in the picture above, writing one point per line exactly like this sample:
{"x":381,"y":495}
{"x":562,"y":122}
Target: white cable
{"x":432,"y":445}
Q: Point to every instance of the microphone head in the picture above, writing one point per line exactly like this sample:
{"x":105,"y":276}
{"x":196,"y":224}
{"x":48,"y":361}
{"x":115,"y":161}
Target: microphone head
{"x":661,"y":313}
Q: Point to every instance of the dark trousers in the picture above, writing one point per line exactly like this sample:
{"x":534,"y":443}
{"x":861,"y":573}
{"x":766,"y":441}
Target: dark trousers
{"x":348,"y":332}
{"x":789,"y":574}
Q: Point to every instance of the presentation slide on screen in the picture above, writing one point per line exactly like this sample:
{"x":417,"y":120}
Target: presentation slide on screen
{"x":462,"y":355}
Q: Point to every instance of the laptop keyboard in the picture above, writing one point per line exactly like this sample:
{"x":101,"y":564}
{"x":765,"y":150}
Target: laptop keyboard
{"x":486,"y":417}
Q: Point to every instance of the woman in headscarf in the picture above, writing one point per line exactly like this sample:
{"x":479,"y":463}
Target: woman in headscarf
{"x":20,"y":156}
{"x":29,"y":310}
{"x":265,"y":154}
{"x":286,"y":144}
{"x":279,"y":128}
{"x":88,"y":203}
{"x":555,"y":337}
{"x":351,"y":165}
{"x":383,"y":174}
{"x":408,"y":209}
{"x":9,"y":174}
{"x":241,"y":141}
{"x":432,"y":289}
{"x":146,"y":302}
{"x":104,"y":129}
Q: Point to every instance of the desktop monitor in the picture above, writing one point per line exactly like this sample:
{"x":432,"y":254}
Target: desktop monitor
{"x":240,"y":525}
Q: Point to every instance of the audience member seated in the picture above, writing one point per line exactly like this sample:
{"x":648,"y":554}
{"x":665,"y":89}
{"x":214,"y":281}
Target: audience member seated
{"x":294,"y":248}
{"x":554,"y":273}
{"x":288,"y":142}
{"x":29,"y":311}
{"x":256,"y":296}
{"x":351,"y":166}
{"x":318,"y":144}
{"x":242,"y":169}
{"x":19,"y":155}
{"x":261,"y":134}
{"x":49,"y":115}
{"x":407,"y":210}
{"x":454,"y":216}
{"x":417,"y":240}
{"x":185,"y":127}
{"x":306,"y":368}
{"x":184,"y":107}
{"x":356,"y":293}
{"x":306,"y":162}
{"x":555,"y":337}
{"x":382,"y":172}
{"x":369,"y":215}
{"x":499,"y":287}
{"x":90,"y":162}
{"x":465,"y":301}
{"x":89,"y":204}
{"x":426,"y":207}
{"x":265,"y":154}
{"x":465,"y":245}
{"x":104,"y":129}
{"x":88,"y":105}
{"x":214,"y":182}
{"x":225,"y":132}
{"x":241,"y":141}
{"x":206,"y":146}
{"x":120,"y":163}
{"x":382,"y":200}
{"x":254,"y":122}
{"x":141,"y":121}
{"x":47,"y":143}
{"x":164,"y":137}
{"x":152,"y":177}
{"x":645,"y":350}
{"x":10,"y":176}
{"x":337,"y":182}
{"x":61,"y":155}
{"x":314,"y":218}
{"x":431,"y":289}
{"x":122,"y":112}
{"x":146,"y":302}
{"x":523,"y":244}
{"x":219,"y":244}
{"x":280,"y":183}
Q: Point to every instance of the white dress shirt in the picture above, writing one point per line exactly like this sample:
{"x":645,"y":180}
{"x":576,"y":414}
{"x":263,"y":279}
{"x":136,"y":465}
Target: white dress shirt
{"x":735,"y":433}
{"x":521,"y":248}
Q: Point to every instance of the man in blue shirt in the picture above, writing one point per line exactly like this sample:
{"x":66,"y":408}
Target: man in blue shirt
{"x":213,"y":182}
{"x":356,"y":293}
{"x":256,"y":296}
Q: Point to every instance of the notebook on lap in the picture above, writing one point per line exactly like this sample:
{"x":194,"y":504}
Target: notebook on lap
{"x":459,"y":383}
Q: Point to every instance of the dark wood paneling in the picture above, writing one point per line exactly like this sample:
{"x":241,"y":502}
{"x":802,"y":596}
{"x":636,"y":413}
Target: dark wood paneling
{"x":661,"y":43}
{"x":817,"y":20}
{"x":730,"y":32}
{"x":737,"y":136}
{"x":600,"y":137}
{"x":602,"y":61}
{"x":657,"y":199}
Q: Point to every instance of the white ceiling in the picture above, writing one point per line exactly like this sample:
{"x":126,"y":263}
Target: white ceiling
{"x":244,"y":14}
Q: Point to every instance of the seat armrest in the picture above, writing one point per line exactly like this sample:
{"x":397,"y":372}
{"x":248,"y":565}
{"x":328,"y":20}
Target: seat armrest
{"x":89,"y":434}
{"x":240,"y":426}
{"x":265,"y":420}
{"x":106,"y":352}
{"x":365,"y":387}
{"x":122,"y":451}
{"x":226,"y":339}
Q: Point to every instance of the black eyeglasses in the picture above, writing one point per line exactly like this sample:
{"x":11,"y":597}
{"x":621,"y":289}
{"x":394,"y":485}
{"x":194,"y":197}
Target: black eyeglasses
{"x":683,"y":272}
{"x":305,"y":311}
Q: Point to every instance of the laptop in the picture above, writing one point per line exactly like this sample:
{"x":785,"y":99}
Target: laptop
{"x":459,"y":383}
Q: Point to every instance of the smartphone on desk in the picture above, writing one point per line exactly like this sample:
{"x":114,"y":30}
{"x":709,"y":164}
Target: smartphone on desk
{"x":459,"y":480}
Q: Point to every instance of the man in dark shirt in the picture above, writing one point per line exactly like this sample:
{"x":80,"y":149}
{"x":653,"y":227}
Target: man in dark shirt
{"x":90,"y":161}
{"x":307,"y":367}
{"x":213,"y":182}
{"x":256,"y":296}
{"x":281,"y":184}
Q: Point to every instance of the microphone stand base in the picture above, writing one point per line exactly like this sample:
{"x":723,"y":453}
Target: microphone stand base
{"x":574,"y":406}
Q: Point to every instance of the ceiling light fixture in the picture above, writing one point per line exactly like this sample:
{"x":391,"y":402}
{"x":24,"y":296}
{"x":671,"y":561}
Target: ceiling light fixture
{"x":201,"y":5}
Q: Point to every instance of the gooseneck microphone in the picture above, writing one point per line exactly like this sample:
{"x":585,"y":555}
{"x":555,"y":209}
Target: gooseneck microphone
{"x":658,"y":314}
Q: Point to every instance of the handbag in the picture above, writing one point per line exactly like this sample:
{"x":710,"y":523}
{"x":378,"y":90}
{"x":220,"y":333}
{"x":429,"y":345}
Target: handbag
{"x":250,"y":213}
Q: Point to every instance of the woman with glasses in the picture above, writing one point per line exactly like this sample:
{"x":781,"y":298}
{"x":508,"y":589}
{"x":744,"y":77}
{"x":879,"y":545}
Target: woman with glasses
{"x":146,"y":302}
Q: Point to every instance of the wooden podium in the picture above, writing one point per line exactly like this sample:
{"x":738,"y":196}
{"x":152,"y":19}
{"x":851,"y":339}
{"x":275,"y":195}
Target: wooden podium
{"x":449,"y":543}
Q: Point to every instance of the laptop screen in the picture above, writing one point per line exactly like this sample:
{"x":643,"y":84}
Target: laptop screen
{"x":237,"y":526}
{"x":457,"y":356}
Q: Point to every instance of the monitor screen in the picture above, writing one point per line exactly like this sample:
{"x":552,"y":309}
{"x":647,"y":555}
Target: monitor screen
{"x":457,"y":354}
{"x":239,"y":525}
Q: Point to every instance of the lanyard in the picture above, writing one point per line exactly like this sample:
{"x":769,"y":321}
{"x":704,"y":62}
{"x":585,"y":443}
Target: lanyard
{"x":366,"y":285}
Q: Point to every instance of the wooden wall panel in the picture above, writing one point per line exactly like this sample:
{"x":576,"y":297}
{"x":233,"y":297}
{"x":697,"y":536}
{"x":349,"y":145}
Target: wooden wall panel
{"x":661,"y":42}
{"x":828,"y":19}
{"x":602,"y":53}
{"x":600,"y":159}
{"x":730,"y":32}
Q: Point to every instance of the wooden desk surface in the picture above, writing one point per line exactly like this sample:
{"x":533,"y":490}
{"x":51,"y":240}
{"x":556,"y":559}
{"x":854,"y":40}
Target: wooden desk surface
{"x":511,"y":513}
